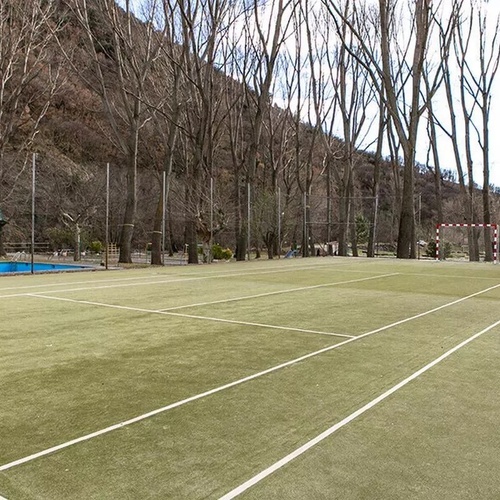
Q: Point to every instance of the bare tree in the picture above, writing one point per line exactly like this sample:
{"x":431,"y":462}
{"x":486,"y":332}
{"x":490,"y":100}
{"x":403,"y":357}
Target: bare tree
{"x":489,"y":59}
{"x":166,"y":99}
{"x":398,"y":79}
{"x":263,"y":40}
{"x":122,"y":50}
{"x":433,"y":149}
{"x":352,"y":94}
{"x":297,"y":87}
{"x":473,"y":64}
{"x":377,"y":166}
{"x":29,"y":78}
{"x":204,"y":26}
{"x":452,"y":131}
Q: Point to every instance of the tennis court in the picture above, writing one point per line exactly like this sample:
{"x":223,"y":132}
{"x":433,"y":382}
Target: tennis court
{"x":299,"y":378}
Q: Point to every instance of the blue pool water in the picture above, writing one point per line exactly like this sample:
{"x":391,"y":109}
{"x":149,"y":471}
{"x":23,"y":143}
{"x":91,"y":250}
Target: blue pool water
{"x":25,"y":267}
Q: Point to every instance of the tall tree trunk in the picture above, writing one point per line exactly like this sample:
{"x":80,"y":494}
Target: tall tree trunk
{"x":3,"y":253}
{"x":344,"y":209}
{"x":128,"y":225}
{"x":376,"y":183}
{"x":156,"y":237}
{"x":407,"y":235}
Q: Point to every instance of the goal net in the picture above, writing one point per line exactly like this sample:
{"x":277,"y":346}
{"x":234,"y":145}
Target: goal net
{"x":458,"y":239}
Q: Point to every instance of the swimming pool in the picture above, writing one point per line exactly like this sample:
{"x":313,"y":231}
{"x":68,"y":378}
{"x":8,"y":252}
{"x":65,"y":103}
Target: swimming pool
{"x":25,"y":267}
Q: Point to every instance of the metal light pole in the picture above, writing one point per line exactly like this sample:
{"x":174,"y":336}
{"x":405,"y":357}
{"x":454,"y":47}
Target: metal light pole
{"x":33,"y":178}
{"x":210,"y":241}
{"x":164,"y":216}
{"x":279,"y":222}
{"x":106,"y":257}
{"x":305,"y":242}
{"x":248,"y":221}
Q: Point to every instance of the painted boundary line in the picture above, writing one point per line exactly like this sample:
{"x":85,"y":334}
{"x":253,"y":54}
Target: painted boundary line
{"x":334,"y":428}
{"x":260,"y":325}
{"x":189,"y":316}
{"x":45,"y":285}
{"x":152,"y":413}
{"x":167,"y":312}
{"x":159,"y":281}
{"x":177,"y":404}
{"x":278,"y":292}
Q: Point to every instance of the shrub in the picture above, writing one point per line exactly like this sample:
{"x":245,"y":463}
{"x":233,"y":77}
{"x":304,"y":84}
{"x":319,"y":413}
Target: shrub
{"x":362,"y":229}
{"x":96,"y":246}
{"x":219,"y":253}
{"x":60,"y":238}
{"x":444,"y":250}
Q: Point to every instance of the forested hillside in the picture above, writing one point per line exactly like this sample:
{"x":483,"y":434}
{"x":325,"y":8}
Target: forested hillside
{"x":219,"y":123}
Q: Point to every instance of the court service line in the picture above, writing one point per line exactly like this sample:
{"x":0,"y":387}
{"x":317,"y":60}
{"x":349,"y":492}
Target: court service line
{"x":118,"y":280}
{"x":190,"y":316}
{"x":260,"y":325}
{"x":276,"y":292}
{"x":86,"y":282}
{"x":164,"y":281}
{"x":221,"y":388}
{"x":334,"y":428}
{"x":452,"y":276}
{"x":222,"y":320}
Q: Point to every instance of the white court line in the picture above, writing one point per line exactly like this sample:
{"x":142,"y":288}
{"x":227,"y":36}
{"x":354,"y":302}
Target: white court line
{"x":261,"y":325}
{"x":164,"y":281}
{"x":277,"y":292}
{"x":190,"y":316}
{"x":221,"y":320}
{"x":452,"y":276}
{"x":45,"y":285}
{"x":139,"y":418}
{"x":164,"y":409}
{"x":334,"y":428}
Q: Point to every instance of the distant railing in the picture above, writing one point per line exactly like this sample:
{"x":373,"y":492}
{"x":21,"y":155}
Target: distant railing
{"x":26,"y":247}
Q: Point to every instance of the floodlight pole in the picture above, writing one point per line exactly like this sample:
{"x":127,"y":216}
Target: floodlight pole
{"x":106,"y":255}
{"x":305,"y":242}
{"x":164,"y":216}
{"x":419,"y":218}
{"x":33,"y":184}
{"x":279,"y":222}
{"x":248,"y":221}
{"x":375,"y":220}
{"x":210,"y":241}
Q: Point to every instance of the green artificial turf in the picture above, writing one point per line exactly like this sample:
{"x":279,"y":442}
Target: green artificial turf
{"x":81,"y":352}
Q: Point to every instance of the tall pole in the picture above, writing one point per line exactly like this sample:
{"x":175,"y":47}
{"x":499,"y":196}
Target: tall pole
{"x":279,"y":222}
{"x":329,"y":210}
{"x":419,"y":223}
{"x":210,"y":241}
{"x":248,"y":221}
{"x":375,"y":221}
{"x":305,"y":251}
{"x":107,"y":218}
{"x":33,"y":177}
{"x":164,"y":216}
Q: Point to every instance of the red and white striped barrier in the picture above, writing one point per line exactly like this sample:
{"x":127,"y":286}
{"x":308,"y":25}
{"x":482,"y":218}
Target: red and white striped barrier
{"x":491,"y":226}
